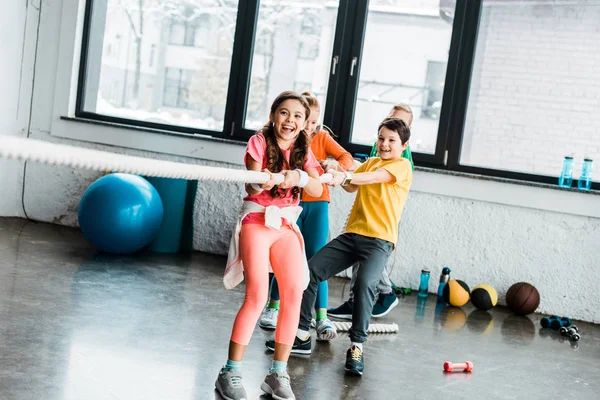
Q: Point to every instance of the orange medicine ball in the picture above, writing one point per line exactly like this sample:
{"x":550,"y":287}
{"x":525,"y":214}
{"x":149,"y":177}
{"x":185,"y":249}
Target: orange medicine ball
{"x":456,"y":293}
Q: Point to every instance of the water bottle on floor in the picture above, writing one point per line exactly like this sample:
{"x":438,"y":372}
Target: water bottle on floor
{"x":444,"y":278}
{"x":424,"y":284}
{"x":566,"y":175}
{"x":585,"y":179}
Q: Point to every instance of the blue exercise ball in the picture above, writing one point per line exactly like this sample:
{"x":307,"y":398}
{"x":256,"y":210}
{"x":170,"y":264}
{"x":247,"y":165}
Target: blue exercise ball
{"x":120,"y":213}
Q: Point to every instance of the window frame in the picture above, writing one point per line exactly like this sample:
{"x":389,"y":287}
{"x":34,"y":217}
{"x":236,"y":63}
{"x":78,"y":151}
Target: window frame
{"x":457,"y":117}
{"x":339,"y":110}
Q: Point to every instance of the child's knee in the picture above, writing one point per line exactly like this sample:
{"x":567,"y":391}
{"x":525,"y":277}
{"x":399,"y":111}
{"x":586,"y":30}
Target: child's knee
{"x":364,"y":286}
{"x":293,"y":292}
{"x":256,"y":299}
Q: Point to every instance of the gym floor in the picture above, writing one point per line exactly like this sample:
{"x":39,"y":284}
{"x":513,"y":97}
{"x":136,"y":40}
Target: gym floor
{"x":75,"y":324}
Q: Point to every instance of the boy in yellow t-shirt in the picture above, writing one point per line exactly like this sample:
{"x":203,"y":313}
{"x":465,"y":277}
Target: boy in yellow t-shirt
{"x":370,"y":236}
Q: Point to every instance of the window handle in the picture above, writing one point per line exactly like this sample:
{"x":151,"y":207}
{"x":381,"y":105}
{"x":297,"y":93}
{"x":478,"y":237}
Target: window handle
{"x":334,"y":64}
{"x":354,"y":62}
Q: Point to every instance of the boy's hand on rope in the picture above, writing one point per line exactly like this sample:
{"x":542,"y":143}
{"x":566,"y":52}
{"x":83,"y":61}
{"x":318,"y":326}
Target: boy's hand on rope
{"x":338,"y":177}
{"x":291,"y":179}
{"x":268,"y":185}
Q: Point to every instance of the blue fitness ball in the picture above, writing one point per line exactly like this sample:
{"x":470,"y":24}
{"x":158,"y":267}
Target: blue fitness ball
{"x":120,"y":213}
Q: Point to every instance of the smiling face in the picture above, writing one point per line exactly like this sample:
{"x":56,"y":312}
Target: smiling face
{"x":312,"y":123}
{"x":389,"y":145}
{"x":289,"y":118}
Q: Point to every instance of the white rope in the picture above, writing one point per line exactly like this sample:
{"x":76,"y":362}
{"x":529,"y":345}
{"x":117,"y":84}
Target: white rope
{"x":23,"y":149}
{"x":373,"y":328}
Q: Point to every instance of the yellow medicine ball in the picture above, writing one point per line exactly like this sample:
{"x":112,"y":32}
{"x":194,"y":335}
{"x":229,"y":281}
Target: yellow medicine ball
{"x":456,"y":293}
{"x":484,"y":297}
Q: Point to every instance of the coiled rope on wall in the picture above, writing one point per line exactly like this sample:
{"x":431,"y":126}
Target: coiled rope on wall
{"x":25,"y":149}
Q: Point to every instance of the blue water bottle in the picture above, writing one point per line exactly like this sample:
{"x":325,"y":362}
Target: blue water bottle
{"x":566,"y":175}
{"x":424,"y":284}
{"x":444,"y":278}
{"x":585,"y":179}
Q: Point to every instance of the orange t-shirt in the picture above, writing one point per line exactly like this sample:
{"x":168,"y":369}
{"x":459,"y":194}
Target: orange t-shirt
{"x":323,"y":146}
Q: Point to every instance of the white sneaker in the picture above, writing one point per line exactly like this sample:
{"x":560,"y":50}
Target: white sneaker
{"x":268,"y":319}
{"x":325,"y":330}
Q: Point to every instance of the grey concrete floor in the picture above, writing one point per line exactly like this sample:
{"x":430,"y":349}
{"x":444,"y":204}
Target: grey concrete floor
{"x":75,"y":324}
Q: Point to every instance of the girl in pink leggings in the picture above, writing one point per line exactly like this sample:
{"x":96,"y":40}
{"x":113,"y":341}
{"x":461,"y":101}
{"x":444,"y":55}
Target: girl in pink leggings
{"x":267,"y":237}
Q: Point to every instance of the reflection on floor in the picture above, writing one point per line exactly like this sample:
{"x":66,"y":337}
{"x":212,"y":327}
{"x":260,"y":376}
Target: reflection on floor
{"x":79,"y":325}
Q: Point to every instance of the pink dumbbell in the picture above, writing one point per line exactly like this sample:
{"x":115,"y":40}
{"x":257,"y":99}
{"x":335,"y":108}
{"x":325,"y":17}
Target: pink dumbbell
{"x":467,"y":366}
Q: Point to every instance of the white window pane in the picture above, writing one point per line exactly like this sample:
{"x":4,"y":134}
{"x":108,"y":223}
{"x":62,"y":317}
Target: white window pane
{"x":535,"y":88}
{"x":404,"y":61}
{"x":278,"y":63}
{"x":169,"y":81}
{"x":177,"y":33}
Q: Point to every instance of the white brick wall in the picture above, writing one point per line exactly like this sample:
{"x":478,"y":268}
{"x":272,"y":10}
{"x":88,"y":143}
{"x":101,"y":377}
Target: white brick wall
{"x":535,"y":92}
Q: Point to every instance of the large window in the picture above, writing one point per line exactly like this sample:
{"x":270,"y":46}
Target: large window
{"x":159,"y":62}
{"x":294,"y":43}
{"x":403,"y":61}
{"x":535,"y":87}
{"x":497,"y":87}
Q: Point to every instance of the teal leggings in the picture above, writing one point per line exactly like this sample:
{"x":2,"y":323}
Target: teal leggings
{"x":314,"y":225}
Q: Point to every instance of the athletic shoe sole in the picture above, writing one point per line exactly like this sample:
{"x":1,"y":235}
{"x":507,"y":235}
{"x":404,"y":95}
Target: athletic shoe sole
{"x":267,"y":326}
{"x":218,"y":387}
{"x":267,"y":389}
{"x":294,"y":351}
{"x":353,"y":371}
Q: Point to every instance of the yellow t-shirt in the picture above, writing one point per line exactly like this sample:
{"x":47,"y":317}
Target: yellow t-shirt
{"x":378,"y":207}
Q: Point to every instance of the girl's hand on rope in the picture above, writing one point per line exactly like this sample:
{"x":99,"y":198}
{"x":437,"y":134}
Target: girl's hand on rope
{"x":268,"y":185}
{"x":291,"y":179}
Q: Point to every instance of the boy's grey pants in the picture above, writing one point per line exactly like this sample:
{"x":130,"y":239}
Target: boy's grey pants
{"x":383,"y":286}
{"x":339,"y":254}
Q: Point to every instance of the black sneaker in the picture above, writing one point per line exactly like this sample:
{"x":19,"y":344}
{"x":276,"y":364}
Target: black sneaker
{"x":355,"y":363}
{"x":384,"y":304}
{"x":344,"y":311}
{"x":300,"y":346}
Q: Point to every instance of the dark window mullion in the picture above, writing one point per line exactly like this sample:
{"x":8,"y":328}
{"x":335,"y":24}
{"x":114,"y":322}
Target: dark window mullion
{"x":241,"y":70}
{"x":464,"y":67}
{"x":85,"y":42}
{"x":338,"y":82}
{"x":357,"y":24}
{"x":454,"y":74}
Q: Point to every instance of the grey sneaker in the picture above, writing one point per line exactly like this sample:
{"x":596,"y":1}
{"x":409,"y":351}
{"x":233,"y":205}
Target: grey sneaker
{"x":325,"y":330}
{"x":268,"y":319}
{"x":278,"y":386}
{"x":229,"y":385}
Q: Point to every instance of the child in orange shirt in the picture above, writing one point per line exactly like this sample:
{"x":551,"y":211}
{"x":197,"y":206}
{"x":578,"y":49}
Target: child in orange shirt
{"x":314,"y":220}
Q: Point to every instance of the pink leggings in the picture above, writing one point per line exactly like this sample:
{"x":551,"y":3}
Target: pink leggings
{"x":259,"y":245}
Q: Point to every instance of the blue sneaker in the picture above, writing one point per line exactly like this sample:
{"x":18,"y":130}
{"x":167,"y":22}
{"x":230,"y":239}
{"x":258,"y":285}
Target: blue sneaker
{"x":355,"y":363}
{"x":384,"y":304}
{"x":344,"y":311}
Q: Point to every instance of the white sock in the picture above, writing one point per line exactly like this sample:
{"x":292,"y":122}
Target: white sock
{"x":359,"y":345}
{"x":302,"y":334}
